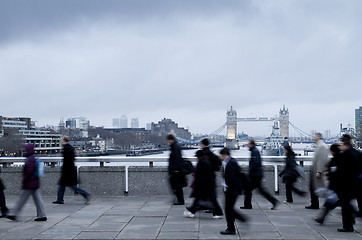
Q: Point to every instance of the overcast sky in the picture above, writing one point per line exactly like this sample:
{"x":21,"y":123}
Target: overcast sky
{"x":185,"y":60}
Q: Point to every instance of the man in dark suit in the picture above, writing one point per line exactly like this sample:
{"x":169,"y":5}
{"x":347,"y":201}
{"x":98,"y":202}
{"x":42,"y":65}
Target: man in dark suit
{"x":177,"y":178}
{"x":68,"y":176}
{"x":233,"y":187}
{"x":255,"y":178}
{"x":348,"y":172}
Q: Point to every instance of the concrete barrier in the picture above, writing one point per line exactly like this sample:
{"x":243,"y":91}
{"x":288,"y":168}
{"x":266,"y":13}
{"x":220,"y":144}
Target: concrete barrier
{"x":142,"y":181}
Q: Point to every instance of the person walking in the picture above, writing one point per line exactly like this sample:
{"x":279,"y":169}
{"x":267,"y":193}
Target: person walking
{"x":233,"y":187}
{"x":215,"y":165}
{"x":255,"y":178}
{"x":290,"y":174}
{"x":319,"y":166}
{"x":332,"y":201}
{"x":203,"y":186}
{"x":177,"y":178}
{"x":348,"y":172}
{"x":68,"y":176}
{"x":30,"y":186}
{"x":3,"y":207}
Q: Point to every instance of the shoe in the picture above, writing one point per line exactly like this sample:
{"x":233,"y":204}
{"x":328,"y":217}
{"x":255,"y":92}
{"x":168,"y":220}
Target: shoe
{"x":217,"y":217}
{"x":178,"y":203}
{"x":11,"y":217}
{"x":228,"y":232}
{"x":246,"y":207}
{"x":87,"y":198}
{"x":319,"y":220}
{"x":189,"y":214}
{"x":58,"y":202}
{"x":42,"y":219}
{"x":359,"y":213}
{"x":311,"y":207}
{"x":3,"y":216}
{"x":209,"y":211}
{"x":345,"y":230}
{"x":275,"y":205}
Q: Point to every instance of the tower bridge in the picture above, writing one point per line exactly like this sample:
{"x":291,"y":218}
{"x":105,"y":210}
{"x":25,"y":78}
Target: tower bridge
{"x":232,"y":119}
{"x":282,"y":122}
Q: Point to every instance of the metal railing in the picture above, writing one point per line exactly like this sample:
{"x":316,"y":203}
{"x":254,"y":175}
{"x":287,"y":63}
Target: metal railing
{"x":149,"y":161}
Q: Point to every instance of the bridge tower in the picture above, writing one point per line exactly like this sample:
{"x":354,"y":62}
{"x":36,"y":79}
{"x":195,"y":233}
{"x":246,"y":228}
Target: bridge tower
{"x":284,"y":122}
{"x":231,"y":137}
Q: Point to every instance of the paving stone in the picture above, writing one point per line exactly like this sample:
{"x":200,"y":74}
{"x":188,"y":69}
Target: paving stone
{"x":178,"y":235}
{"x":97,"y":235}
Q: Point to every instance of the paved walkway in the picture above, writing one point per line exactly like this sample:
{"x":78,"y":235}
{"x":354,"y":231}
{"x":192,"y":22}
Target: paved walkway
{"x":156,"y":218}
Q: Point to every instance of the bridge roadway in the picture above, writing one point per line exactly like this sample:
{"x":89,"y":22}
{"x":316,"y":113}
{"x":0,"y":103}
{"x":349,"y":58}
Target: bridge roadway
{"x":155,"y":217}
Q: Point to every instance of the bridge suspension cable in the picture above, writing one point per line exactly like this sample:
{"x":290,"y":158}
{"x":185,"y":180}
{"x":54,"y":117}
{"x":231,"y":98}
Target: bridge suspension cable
{"x":299,"y":130}
{"x":216,"y":132}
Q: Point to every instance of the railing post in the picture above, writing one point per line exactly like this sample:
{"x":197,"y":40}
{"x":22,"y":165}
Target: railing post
{"x":150,"y":164}
{"x":276,"y":177}
{"x":52,"y":164}
{"x":125,"y":179}
{"x":301,"y":163}
{"x":101,"y":164}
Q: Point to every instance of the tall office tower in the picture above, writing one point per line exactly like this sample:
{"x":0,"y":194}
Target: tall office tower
{"x":115,"y":122}
{"x":135,"y":123}
{"x":123,"y":122}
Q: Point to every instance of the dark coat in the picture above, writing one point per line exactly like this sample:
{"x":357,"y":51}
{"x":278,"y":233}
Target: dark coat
{"x":2,"y":187}
{"x":175,"y":161}
{"x":177,"y":179}
{"x":255,"y":166}
{"x":333,"y":178}
{"x":289,"y":170}
{"x":69,"y":172}
{"x":214,"y":160}
{"x":347,"y":172}
{"x":30,"y":181}
{"x":233,"y":177}
{"x":204,"y":182}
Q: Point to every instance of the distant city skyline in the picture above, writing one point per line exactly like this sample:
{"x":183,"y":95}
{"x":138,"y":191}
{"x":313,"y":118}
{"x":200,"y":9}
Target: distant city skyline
{"x":184,"y":60}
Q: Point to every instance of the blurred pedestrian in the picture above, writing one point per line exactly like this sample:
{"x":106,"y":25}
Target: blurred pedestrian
{"x":319,"y":166}
{"x":334,"y":186}
{"x":202,"y":187}
{"x":290,"y":174}
{"x":255,"y":178}
{"x":3,"y":207}
{"x":348,"y":170}
{"x":30,"y":186}
{"x":233,"y":187}
{"x":175,"y":165}
{"x":216,"y":165}
{"x":68,"y":176}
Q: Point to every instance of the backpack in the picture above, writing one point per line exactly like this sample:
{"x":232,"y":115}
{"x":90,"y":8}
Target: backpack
{"x":39,"y":168}
{"x":215,"y":162}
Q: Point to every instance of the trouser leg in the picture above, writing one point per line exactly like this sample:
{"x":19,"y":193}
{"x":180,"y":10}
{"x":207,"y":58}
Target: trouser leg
{"x":61,"y":190}
{"x":180,"y":194}
{"x":230,"y":200}
{"x":194,"y":207}
{"x":217,"y":208}
{"x":288,"y":191}
{"x":80,"y":191}
{"x":24,"y":195}
{"x":40,"y":211}
{"x":266,"y":194}
{"x":347,"y":214}
{"x":313,"y":197}
{"x":3,"y":207}
{"x":248,"y":193}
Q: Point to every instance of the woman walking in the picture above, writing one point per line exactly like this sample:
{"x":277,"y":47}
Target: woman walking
{"x":31,"y":184}
{"x":290,"y":174}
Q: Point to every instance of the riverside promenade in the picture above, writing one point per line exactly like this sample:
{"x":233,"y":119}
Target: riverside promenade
{"x":156,"y":218}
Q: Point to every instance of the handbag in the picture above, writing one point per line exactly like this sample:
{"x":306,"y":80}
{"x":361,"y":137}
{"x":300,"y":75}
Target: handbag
{"x":186,"y":167}
{"x":300,"y":171}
